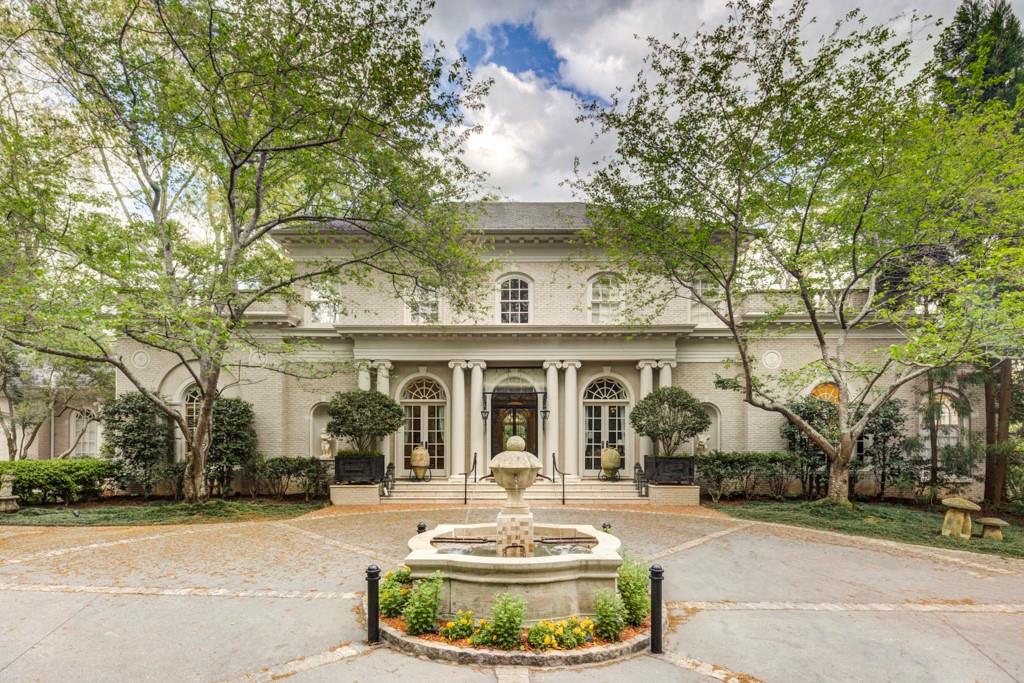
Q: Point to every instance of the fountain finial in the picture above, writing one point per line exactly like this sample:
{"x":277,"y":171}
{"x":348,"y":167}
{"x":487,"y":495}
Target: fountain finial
{"x":515,"y":469}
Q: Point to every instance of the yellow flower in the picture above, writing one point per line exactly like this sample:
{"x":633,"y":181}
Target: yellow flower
{"x":449,"y":624}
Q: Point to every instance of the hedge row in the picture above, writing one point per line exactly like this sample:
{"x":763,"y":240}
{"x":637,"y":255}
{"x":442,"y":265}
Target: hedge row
{"x":42,"y":481}
{"x":742,"y":472}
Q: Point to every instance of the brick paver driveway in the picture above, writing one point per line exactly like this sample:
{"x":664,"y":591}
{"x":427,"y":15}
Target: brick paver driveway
{"x":260,"y":601}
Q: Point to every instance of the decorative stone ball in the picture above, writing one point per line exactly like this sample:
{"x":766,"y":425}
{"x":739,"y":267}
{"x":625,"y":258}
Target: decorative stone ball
{"x":515,"y":443}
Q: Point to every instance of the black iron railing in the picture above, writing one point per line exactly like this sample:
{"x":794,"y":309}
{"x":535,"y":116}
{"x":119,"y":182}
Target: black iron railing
{"x":560,"y":473}
{"x":640,"y":481}
{"x":465,"y":481}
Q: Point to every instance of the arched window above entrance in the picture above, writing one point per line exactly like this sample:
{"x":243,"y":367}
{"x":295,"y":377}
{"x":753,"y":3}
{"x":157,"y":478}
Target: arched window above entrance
{"x":605,"y":389}
{"x":604,"y":421}
{"x":424,"y":403}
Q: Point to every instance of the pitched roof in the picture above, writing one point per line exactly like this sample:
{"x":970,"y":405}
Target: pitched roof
{"x":531,"y":217}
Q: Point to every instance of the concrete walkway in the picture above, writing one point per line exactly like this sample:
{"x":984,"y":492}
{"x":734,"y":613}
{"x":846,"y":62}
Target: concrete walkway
{"x":271,"y":600}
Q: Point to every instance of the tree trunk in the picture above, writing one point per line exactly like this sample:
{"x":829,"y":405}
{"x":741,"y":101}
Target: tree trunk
{"x":1002,"y":431}
{"x":196,"y":489}
{"x":990,"y":439}
{"x":839,"y":471}
{"x":933,"y":435}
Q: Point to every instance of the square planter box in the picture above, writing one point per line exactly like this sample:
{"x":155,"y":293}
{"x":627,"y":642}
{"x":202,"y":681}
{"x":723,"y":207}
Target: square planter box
{"x":673,"y":494}
{"x":676,"y":469}
{"x":358,"y":469}
{"x":355,"y":494}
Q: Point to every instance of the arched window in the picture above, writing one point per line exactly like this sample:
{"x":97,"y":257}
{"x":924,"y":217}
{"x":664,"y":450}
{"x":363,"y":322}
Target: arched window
{"x":192,"y":402}
{"x":948,"y":421}
{"x":514,"y":301}
{"x":605,"y":299}
{"x":423,"y":401}
{"x":604,"y":421}
{"x":826,"y":391}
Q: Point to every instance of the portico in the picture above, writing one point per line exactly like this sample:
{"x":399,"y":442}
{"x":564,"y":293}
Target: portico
{"x":567,"y":392}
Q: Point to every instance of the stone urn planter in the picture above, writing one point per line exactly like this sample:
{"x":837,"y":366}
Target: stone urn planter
{"x":611,"y":460}
{"x":419,"y":460}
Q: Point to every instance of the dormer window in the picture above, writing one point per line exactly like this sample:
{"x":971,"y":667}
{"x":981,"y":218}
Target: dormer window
{"x":605,"y":299}
{"x":514,"y":301}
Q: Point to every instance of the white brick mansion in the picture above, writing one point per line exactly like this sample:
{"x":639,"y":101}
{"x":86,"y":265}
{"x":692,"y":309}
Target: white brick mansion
{"x":548,"y":359}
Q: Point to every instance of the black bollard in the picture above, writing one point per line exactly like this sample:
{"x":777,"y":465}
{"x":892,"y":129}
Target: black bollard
{"x":373,"y":603}
{"x":657,"y":574}
{"x":421,"y":527}
{"x":606,"y":527}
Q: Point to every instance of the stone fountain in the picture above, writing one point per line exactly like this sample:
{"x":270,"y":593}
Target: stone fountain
{"x":556,"y":568}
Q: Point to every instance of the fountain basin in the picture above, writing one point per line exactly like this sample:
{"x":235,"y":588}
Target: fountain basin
{"x":553,"y":586}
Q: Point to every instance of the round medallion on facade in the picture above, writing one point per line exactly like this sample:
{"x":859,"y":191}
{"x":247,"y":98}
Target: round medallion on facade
{"x":771,"y":359}
{"x":140,"y":359}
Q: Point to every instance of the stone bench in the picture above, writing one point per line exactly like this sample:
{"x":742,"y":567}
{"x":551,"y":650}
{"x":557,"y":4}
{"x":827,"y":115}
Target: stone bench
{"x":958,"y":517}
{"x":992,"y":527}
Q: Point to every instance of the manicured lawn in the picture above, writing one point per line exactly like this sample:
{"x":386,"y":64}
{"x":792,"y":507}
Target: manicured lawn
{"x":161,"y":512}
{"x":894,"y":522}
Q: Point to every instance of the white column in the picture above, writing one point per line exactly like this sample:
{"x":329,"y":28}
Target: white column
{"x":571,"y":422}
{"x":384,"y":387}
{"x":551,"y":431}
{"x":364,"y":375}
{"x":458,"y":418}
{"x":646,"y":368}
{"x":476,"y":423}
{"x":665,"y":375}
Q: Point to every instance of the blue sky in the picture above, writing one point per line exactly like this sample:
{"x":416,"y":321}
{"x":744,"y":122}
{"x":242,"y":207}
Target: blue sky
{"x":542,"y":54}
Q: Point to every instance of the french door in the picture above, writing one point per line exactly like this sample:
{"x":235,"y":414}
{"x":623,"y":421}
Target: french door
{"x":604,"y":425}
{"x":425,"y":424}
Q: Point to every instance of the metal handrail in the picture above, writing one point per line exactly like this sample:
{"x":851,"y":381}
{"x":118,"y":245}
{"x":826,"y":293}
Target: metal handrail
{"x":465,"y":482}
{"x":554,"y":469}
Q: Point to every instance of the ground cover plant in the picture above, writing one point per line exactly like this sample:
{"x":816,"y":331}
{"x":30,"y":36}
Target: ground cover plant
{"x":893,"y":522}
{"x":157,"y":512}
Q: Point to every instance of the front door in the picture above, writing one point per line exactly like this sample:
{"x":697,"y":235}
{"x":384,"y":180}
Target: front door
{"x":513,"y":415}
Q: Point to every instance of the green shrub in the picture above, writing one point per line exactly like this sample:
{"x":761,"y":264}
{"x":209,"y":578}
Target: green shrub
{"x":562,"y":635}
{"x":278,"y":474}
{"x":43,"y":481}
{"x":633,"y":590}
{"x":725,"y":473}
{"x":505,"y":628}
{"x":312,"y":478}
{"x":459,"y":628}
{"x":669,"y":416}
{"x":610,"y":615}
{"x":422,"y":604}
{"x":137,"y":438}
{"x":171,"y":474}
{"x":232,"y":441}
{"x":363,"y":417}
{"x":394,"y":591}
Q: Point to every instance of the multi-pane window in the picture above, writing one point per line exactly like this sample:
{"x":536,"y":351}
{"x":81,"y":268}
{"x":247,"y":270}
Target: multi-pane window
{"x":193,"y":402}
{"x":826,"y":391}
{"x":88,"y":445}
{"x":605,"y":300}
{"x":322,"y":311}
{"x":947,"y":421}
{"x":604,"y":421}
{"x":424,"y":308}
{"x":514,"y":301}
{"x":423,"y":402}
{"x":713,"y":296}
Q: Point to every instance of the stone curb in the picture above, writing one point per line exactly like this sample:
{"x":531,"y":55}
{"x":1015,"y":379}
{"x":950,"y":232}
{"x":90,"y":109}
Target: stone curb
{"x":463,"y":655}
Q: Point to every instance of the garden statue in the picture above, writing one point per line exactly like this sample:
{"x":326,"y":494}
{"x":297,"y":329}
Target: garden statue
{"x":702,"y":445}
{"x":8,"y":501}
{"x":326,"y":445}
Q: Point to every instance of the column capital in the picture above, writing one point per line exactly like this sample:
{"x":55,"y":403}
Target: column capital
{"x":667,"y":363}
{"x":647,"y":364}
{"x":556,"y":364}
{"x":383,"y":364}
{"x":574,"y":364}
{"x":461,"y":364}
{"x":477,"y":364}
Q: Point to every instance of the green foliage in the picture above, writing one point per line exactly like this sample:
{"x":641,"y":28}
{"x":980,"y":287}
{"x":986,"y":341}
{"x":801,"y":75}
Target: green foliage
{"x":669,"y":416}
{"x":278,"y":474}
{"x":725,"y":473}
{"x":171,"y":474}
{"x":394,"y":591}
{"x":983,"y":42}
{"x":459,"y":628}
{"x":364,"y":417}
{"x":137,"y":438}
{"x":157,"y":512}
{"x":609,"y":615}
{"x":1015,"y":477}
{"x":43,"y":481}
{"x":504,"y":630}
{"x":561,"y":635}
{"x":422,"y":604}
{"x":232,"y":440}
{"x":632,"y":585}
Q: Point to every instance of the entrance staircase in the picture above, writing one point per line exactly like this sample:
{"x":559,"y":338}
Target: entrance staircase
{"x":451,"y":492}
